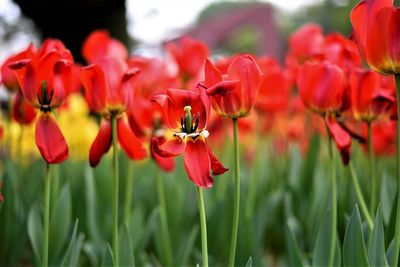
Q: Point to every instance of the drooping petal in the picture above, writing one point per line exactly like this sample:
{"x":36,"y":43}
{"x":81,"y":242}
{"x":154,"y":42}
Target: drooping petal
{"x":50,"y":140}
{"x":342,"y":138}
{"x":197,"y":163}
{"x":101,"y":144}
{"x":216,"y":165}
{"x":132,"y":146}
{"x":166,"y":164}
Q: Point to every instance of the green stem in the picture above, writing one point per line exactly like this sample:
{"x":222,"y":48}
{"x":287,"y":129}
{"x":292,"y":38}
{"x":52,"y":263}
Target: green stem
{"x":46,"y":216}
{"x":203,"y":224}
{"x":128,"y":191}
{"x":360,"y":197}
{"x":372,"y":169}
{"x":332,"y":247}
{"x":396,"y":247}
{"x":164,"y":219}
{"x":116,"y":190}
{"x":235,"y":225}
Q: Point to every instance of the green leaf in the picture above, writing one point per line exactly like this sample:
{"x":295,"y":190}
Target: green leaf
{"x":387,"y":196}
{"x":35,"y":232}
{"x":376,"y":248}
{"x":108,"y":259}
{"x":187,"y":247}
{"x":70,"y":257}
{"x":249,"y":262}
{"x":322,"y":244}
{"x":126,"y":257}
{"x":293,"y":250}
{"x":60,"y":222}
{"x":91,"y":207}
{"x":354,"y":253}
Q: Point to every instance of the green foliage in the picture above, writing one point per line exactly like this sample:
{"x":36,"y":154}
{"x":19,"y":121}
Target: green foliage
{"x":354,"y":252}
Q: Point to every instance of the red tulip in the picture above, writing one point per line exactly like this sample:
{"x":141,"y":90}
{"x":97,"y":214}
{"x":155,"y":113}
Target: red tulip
{"x":186,"y":113}
{"x":321,"y":86}
{"x":154,"y":76}
{"x":233,"y":94}
{"x":376,"y":30}
{"x":274,"y":90}
{"x":306,"y":42}
{"x":341,"y":51}
{"x":108,"y":87}
{"x":372,"y":94}
{"x":99,"y":44}
{"x":189,"y":56}
{"x":44,"y":78}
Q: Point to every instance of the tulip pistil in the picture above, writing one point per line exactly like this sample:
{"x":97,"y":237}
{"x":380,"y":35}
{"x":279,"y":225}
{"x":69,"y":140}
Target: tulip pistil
{"x":189,"y":123}
{"x":44,"y":98}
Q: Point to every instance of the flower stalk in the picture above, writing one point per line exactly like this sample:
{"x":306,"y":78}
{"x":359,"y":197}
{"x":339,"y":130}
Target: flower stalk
{"x":235,"y":225}
{"x":115,"y":243}
{"x":46,"y":216}
{"x":203,"y":224}
{"x":396,"y":246}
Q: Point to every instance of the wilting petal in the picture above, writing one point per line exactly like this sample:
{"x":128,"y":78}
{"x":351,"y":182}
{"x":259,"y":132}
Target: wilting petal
{"x":170,"y":148}
{"x":216,"y":165}
{"x":197,"y":163}
{"x":342,"y":138}
{"x":50,"y":140}
{"x":132,"y":146}
{"x":166,"y":164}
{"x":101,"y":144}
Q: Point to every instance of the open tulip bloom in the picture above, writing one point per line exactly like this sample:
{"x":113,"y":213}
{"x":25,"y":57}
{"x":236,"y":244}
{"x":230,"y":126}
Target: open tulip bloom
{"x":108,"y":86}
{"x":44,"y":79}
{"x":187,"y":115}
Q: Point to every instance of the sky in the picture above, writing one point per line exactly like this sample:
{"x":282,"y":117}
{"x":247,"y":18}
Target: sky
{"x":152,"y":21}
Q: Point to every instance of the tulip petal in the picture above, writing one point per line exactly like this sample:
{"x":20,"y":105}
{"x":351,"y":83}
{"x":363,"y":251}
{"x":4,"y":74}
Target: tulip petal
{"x":170,"y":148}
{"x":212,"y":74}
{"x":342,"y":138}
{"x":197,"y":163}
{"x":99,"y":44}
{"x":166,"y":164}
{"x":22,"y":110}
{"x":216,"y":165}
{"x":132,"y":146}
{"x":101,"y":144}
{"x":93,"y":81}
{"x":50,"y":140}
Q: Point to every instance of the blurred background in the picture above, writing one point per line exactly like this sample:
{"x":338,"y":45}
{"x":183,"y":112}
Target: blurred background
{"x":259,"y":27}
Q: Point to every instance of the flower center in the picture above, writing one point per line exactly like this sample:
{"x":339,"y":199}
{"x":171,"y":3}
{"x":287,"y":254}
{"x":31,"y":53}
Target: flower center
{"x":44,"y":98}
{"x":189,"y":125}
